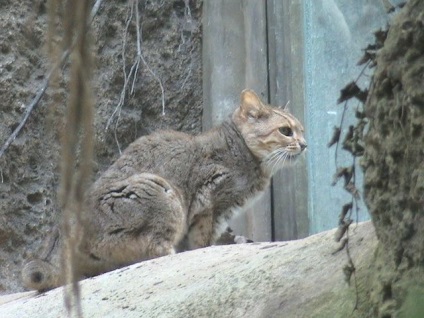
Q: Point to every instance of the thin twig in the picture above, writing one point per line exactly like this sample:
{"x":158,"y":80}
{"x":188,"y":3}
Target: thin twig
{"x":159,"y":81}
{"x":124,"y":45}
{"x":361,"y":73}
{"x":341,"y":126}
{"x":140,"y":56}
{"x":137,"y":62}
{"x":118,"y":107}
{"x":43,"y":88}
{"x":354,"y":272}
{"x":95,"y":9}
{"x":133,"y":6}
{"x":28,"y":111}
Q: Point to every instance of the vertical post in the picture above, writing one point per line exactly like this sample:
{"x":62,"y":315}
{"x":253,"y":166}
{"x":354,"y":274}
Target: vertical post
{"x":235,"y":58}
{"x":286,"y":84}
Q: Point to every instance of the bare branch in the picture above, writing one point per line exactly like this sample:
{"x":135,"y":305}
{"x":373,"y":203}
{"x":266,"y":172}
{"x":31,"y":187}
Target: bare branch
{"x":133,"y":10}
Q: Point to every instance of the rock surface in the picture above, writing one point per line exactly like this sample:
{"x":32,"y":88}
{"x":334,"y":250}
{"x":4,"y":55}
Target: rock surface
{"x":393,"y":160}
{"x":29,"y":170}
{"x":301,"y":278}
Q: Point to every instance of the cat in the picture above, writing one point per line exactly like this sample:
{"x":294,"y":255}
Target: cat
{"x":171,"y":191}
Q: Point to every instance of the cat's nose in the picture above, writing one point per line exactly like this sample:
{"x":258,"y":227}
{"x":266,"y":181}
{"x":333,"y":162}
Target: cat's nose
{"x":303,"y":145}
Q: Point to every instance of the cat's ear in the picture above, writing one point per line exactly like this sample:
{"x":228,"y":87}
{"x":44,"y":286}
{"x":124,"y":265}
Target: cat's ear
{"x":286,"y":107}
{"x":250,"y":104}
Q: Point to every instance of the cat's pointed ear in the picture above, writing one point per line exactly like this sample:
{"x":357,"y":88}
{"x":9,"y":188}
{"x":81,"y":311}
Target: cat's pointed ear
{"x":286,"y":107}
{"x":250,"y":104}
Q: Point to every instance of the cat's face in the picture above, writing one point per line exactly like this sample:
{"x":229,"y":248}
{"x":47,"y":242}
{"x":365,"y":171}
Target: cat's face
{"x":273,"y":135}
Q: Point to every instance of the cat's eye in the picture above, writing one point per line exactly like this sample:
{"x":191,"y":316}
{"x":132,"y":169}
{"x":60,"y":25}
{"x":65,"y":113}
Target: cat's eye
{"x":286,"y":131}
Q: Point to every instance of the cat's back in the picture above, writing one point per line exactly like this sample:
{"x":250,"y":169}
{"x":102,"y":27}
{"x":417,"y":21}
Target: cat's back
{"x":165,"y":153}
{"x":157,"y":146}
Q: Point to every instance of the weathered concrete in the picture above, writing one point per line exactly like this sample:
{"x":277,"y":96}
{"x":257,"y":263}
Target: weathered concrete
{"x":285,"y":279}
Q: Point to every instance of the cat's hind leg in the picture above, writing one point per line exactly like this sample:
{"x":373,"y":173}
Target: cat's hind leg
{"x":141,"y":217}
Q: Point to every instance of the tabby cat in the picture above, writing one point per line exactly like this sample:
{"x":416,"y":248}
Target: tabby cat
{"x":170,"y":191}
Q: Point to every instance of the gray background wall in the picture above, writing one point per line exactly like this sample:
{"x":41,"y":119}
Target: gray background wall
{"x":336,"y":32}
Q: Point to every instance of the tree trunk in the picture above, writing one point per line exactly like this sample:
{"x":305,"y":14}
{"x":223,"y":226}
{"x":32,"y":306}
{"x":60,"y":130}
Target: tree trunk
{"x":394,"y":164}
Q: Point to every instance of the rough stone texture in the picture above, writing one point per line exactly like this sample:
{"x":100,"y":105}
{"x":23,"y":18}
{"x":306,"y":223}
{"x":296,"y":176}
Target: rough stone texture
{"x":284,"y":279}
{"x":171,"y":38}
{"x":393,"y":161}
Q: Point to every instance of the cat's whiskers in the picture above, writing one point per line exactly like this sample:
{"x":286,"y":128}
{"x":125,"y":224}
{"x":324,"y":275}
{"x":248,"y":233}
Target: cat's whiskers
{"x":271,"y":160}
{"x":282,"y":160}
{"x":276,"y":160}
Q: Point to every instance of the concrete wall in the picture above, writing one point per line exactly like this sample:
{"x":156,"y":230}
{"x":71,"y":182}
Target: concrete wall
{"x":336,"y":31}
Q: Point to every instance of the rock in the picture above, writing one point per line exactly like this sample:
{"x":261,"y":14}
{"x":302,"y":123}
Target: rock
{"x":302,"y":278}
{"x":29,"y":170}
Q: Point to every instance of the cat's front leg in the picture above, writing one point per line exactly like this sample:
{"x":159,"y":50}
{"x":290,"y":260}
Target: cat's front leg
{"x":200,"y":233}
{"x":204,"y":225}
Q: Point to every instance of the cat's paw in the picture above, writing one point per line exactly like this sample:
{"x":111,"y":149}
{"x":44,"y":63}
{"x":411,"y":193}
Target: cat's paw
{"x":238,"y":239}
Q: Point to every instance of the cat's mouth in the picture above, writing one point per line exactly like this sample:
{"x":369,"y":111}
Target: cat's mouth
{"x":291,"y":157}
{"x":294,"y":154}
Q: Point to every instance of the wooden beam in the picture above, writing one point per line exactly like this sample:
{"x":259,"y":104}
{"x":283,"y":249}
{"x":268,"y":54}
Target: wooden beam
{"x":235,"y":58}
{"x":286,"y":83}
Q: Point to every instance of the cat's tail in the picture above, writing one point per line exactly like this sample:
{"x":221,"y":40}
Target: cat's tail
{"x":40,"y":275}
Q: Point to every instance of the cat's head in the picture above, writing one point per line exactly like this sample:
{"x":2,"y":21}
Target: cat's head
{"x":272,"y":134}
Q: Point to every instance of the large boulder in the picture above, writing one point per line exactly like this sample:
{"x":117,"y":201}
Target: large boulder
{"x":302,"y":278}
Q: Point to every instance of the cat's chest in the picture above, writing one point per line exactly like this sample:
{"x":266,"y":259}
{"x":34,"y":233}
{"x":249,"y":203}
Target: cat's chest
{"x":249,"y":200}
{"x":248,"y":203}
{"x":222,"y":221}
{"x":225,"y":189}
